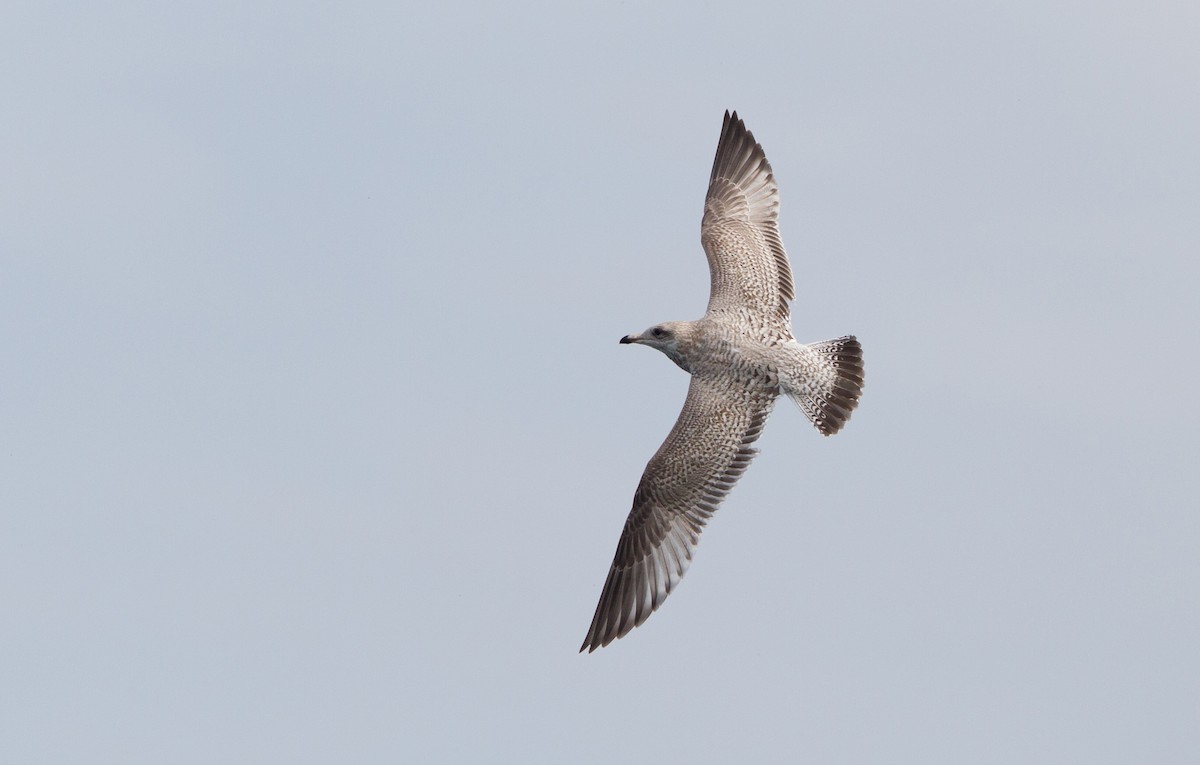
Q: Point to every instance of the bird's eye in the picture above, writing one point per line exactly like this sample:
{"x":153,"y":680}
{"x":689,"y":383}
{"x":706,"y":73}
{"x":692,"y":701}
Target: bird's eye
{"x":658,"y":332}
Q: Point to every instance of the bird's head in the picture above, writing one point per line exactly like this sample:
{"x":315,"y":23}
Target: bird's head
{"x":671,"y":337}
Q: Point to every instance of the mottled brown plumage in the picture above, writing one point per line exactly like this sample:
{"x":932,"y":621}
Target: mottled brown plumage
{"x":741,"y":356}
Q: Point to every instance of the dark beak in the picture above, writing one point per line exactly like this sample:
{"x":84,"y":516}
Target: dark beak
{"x":627,"y":340}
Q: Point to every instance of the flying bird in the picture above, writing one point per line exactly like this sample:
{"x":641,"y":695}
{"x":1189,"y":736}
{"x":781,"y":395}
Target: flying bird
{"x":741,"y":356}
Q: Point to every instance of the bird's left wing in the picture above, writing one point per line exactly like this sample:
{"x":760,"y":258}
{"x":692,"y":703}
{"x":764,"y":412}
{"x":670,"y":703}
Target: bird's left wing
{"x":740,"y":231}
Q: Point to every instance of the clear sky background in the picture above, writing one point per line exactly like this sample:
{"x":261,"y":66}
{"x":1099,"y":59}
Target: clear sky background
{"x":316,"y":439}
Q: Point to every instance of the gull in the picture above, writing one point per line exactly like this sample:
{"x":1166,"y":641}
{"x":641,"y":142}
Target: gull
{"x":741,"y":356}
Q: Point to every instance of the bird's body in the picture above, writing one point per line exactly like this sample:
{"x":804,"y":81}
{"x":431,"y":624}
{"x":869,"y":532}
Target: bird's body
{"x":741,"y":356}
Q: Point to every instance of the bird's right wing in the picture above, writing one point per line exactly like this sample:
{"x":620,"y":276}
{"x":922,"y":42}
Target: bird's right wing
{"x":684,"y":482}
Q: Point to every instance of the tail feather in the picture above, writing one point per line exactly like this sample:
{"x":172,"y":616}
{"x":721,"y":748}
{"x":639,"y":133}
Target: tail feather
{"x":826,"y":381}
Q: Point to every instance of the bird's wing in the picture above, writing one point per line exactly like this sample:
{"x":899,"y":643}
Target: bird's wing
{"x":684,"y":482}
{"x":740,"y":231}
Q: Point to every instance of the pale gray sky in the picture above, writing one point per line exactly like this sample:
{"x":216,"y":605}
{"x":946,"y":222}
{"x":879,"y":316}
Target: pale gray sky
{"x":316,"y":439}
